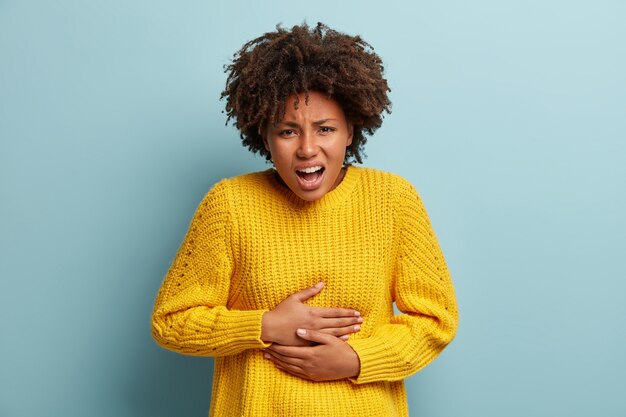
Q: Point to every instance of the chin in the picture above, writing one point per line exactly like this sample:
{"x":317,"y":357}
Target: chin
{"x":311,"y":196}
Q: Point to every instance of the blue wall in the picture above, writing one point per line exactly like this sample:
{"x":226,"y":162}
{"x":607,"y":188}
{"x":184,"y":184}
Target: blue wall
{"x":509,"y":117}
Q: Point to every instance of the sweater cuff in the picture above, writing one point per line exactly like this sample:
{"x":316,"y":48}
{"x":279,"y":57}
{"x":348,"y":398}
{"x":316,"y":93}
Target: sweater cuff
{"x":385,"y":358}
{"x":372,"y":354}
{"x":248,"y":329}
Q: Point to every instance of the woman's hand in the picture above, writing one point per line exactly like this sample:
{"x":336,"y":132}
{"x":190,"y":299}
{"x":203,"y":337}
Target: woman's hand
{"x":280,"y":324}
{"x":330,"y":359}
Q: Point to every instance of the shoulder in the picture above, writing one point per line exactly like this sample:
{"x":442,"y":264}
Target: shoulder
{"x":391,"y":190}
{"x":390,"y":184}
{"x":241,"y":183}
{"x":230,"y":191}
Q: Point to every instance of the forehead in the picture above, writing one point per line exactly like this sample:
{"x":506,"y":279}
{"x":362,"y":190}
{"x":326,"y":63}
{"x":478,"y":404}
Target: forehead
{"x":317,"y":107}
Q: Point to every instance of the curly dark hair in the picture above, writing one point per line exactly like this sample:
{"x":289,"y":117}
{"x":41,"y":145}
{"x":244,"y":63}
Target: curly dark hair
{"x":276,"y":65}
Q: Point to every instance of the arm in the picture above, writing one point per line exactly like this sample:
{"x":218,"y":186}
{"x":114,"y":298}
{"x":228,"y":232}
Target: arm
{"x":423,"y":291}
{"x":190,"y":314}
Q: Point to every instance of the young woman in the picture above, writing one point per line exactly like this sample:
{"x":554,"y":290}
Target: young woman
{"x":289,"y":276}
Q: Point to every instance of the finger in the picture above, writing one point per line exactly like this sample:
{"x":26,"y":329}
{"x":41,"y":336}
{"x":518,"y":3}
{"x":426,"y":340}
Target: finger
{"x":333,"y":312}
{"x":307,"y":293}
{"x":283,"y":364}
{"x":341,"y":331}
{"x":316,"y":336}
{"x":282,"y":358}
{"x":290,"y":351}
{"x":342,"y":322}
{"x":293,"y":372}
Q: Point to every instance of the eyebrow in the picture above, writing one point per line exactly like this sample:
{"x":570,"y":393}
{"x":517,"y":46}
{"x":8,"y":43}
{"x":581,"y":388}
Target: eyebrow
{"x":294,"y":124}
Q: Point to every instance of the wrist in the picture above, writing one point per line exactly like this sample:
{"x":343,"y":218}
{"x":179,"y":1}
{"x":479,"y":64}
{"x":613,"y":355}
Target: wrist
{"x":356,"y":364}
{"x":266,"y":327}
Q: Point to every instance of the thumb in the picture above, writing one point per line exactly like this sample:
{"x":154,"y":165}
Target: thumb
{"x":307,"y":293}
{"x":316,"y":336}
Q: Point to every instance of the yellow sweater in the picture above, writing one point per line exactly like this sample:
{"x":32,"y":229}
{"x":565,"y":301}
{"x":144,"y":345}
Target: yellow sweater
{"x":252,"y":243}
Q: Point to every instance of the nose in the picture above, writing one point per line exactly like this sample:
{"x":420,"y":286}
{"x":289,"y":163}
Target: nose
{"x":308,"y":146}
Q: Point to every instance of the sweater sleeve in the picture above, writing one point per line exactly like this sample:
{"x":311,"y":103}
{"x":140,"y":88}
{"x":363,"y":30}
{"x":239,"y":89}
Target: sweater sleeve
{"x":190,"y":313}
{"x":423,"y":292}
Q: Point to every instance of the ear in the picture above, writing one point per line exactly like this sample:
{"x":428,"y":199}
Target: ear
{"x":350,"y":134}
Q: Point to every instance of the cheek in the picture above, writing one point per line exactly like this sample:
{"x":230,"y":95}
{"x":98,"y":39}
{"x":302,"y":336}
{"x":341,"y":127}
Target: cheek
{"x":280,"y":155}
{"x":342,"y":147}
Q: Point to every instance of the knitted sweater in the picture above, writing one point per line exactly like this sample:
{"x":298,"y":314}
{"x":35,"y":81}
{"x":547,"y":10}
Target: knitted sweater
{"x":252,"y":243}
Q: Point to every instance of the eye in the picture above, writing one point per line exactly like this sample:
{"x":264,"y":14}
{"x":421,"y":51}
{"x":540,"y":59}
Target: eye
{"x":286,"y":133}
{"x":327,"y":129}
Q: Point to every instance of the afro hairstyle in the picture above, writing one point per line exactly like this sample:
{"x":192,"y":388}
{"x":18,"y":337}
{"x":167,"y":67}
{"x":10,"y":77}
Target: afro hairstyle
{"x":269,"y":69}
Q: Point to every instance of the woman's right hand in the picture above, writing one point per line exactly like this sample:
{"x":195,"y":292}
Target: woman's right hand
{"x":280,"y":324}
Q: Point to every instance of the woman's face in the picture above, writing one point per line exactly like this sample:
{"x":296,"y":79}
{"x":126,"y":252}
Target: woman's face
{"x":309,"y":145}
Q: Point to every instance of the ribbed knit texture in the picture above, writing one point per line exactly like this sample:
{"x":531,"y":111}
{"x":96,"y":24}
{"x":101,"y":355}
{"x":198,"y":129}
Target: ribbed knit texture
{"x":252,"y":243}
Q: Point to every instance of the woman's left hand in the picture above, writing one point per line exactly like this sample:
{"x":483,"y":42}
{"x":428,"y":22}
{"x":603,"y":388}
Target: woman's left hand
{"x":330,"y":360}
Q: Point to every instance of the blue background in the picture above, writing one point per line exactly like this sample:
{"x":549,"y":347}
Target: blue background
{"x":508,"y":116}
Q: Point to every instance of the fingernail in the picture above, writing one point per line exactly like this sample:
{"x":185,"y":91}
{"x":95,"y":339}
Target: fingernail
{"x":301,"y":332}
{"x":319,"y":285}
{"x":344,"y":337}
{"x":357,"y":327}
{"x":356,"y":313}
{"x":360,"y":320}
{"x":266,"y":355}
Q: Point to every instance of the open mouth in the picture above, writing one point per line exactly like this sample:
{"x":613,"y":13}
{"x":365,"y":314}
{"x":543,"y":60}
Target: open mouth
{"x":310,"y":174}
{"x":310,"y":177}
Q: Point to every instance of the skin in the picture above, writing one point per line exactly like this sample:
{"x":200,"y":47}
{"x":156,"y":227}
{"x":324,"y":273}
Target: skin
{"x":281,"y":324}
{"x":315,"y":350}
{"x":308,"y":341}
{"x":330,"y":359}
{"x":316,"y":133}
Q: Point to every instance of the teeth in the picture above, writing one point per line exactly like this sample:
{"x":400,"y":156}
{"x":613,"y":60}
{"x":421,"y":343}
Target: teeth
{"x":310,"y":169}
